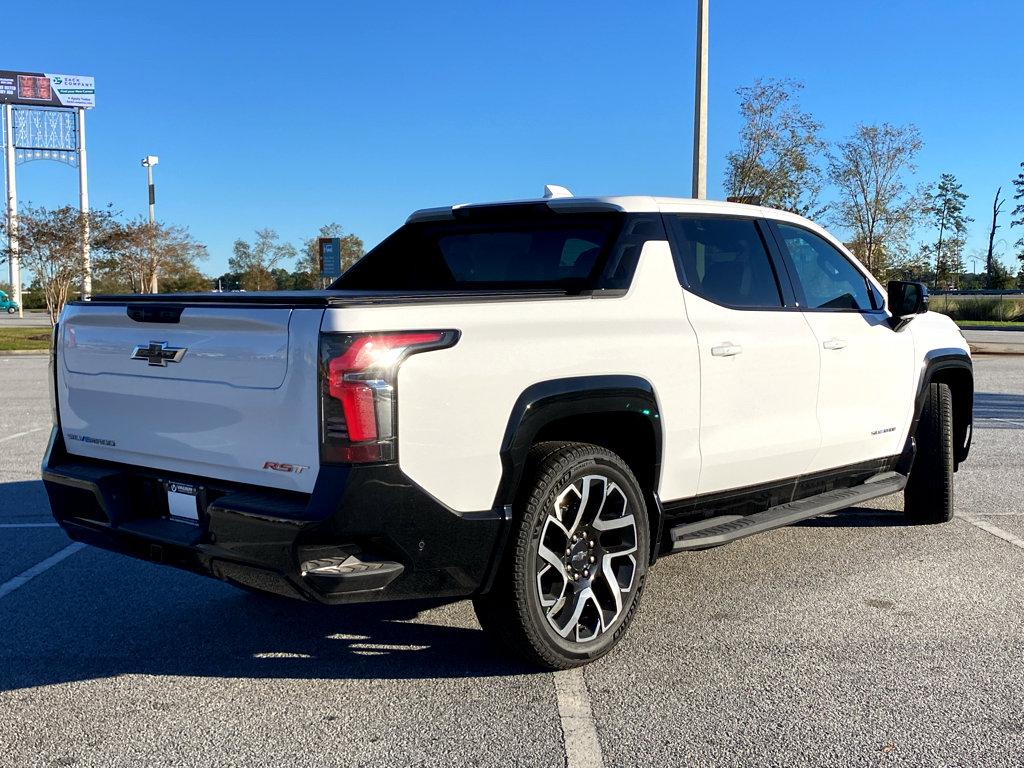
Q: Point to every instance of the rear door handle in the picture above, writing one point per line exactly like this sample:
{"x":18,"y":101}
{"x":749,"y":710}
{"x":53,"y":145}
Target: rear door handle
{"x":726,"y":350}
{"x":835,"y":343}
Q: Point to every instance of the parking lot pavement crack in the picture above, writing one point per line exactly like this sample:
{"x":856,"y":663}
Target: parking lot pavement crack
{"x":29,"y":574}
{"x":579,"y":732}
{"x":995,"y":531}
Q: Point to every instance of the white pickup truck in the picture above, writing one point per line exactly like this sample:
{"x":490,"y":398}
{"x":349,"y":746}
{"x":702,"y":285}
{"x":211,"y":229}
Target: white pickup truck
{"x":524,"y":403}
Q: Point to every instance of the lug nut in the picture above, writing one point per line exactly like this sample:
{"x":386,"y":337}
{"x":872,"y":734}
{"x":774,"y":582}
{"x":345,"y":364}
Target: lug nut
{"x":592,"y":559}
{"x":586,"y":572}
{"x":574,"y":537}
{"x":591,"y":543}
{"x":568,"y":551}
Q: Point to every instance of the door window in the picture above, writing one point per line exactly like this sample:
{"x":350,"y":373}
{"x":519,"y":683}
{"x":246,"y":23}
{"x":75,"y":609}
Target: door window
{"x":828,"y":280}
{"x":725,"y":260}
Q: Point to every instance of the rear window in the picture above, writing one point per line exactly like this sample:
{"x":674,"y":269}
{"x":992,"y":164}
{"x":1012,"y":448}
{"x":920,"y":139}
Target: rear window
{"x":538,"y":249}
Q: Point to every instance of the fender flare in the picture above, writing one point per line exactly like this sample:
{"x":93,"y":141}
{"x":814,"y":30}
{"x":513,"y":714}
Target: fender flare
{"x":548,"y":401}
{"x":936,"y":361}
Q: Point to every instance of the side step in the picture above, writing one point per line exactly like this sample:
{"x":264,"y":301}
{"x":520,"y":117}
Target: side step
{"x":727,"y":528}
{"x":350,"y":574}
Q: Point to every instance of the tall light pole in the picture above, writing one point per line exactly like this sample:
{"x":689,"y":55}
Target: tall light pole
{"x":149,"y":162}
{"x":700,"y":106}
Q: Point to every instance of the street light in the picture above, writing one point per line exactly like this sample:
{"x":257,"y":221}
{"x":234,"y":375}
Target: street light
{"x":148,"y":162}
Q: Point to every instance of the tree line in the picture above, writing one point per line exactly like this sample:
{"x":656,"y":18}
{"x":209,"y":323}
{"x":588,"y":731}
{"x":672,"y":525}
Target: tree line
{"x":132,"y":256}
{"x":863,"y":184}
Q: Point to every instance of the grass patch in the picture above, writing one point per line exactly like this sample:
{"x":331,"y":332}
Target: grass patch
{"x":24,"y":338}
{"x":988,"y":309}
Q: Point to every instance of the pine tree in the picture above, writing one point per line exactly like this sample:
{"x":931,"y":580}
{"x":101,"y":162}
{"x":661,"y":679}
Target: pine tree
{"x":1018,"y":219}
{"x":945,"y":208}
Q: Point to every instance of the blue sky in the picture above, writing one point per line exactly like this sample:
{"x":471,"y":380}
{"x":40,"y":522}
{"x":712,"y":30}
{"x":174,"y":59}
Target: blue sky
{"x":292,"y":115}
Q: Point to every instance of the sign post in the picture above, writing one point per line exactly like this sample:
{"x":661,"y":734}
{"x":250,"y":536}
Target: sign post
{"x":47,"y":124}
{"x":14,"y":263}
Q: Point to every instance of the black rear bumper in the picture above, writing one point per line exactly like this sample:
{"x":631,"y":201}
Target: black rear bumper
{"x":413,"y":546}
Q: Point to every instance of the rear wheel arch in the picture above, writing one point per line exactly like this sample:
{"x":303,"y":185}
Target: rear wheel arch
{"x":617,"y":412}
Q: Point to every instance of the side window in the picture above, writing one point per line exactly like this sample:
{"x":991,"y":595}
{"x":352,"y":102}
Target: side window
{"x":726,"y":261}
{"x":828,"y":279}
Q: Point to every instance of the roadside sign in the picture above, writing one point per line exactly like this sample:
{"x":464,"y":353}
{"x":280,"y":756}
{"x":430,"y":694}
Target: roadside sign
{"x":43,"y":89}
{"x":330,"y":257}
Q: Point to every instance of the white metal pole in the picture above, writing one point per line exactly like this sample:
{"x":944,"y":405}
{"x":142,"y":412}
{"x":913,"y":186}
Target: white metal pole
{"x":700,"y":106}
{"x":83,"y":205}
{"x":12,"y":208}
{"x":154,"y":285}
{"x":151,"y":192}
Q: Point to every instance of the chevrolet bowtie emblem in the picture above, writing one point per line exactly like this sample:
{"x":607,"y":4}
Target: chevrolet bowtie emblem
{"x":159,"y":354}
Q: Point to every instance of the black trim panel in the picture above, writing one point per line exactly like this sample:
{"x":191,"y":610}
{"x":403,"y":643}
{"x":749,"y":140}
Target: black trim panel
{"x":260,"y":537}
{"x":546,"y":402}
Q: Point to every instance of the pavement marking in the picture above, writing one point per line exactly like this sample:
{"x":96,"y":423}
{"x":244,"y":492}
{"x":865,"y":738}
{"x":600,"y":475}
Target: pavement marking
{"x":13,"y":584}
{"x":579,"y":731}
{"x":19,"y":435}
{"x":995,"y":531}
{"x":28,"y":525}
{"x":1001,"y":419}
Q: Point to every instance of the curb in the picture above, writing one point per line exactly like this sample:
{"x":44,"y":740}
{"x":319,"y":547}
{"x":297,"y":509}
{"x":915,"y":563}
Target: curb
{"x":23,"y":352}
{"x":996,"y":349}
{"x":990,"y":328}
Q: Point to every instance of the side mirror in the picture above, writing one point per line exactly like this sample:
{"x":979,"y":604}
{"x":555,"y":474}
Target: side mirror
{"x":907,"y":298}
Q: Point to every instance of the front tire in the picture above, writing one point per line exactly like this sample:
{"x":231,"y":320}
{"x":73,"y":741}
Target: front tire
{"x":11,"y":310}
{"x":579,"y":547}
{"x":928,"y":497}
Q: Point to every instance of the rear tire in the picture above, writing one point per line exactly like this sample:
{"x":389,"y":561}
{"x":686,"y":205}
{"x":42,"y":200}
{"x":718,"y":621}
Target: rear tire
{"x":928,"y":497}
{"x":574,"y":571}
{"x":11,"y":311}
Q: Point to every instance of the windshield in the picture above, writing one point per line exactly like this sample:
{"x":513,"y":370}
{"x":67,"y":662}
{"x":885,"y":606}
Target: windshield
{"x":487,"y":251}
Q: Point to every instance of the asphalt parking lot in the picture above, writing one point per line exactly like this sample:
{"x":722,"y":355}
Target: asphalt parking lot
{"x":850,"y":639}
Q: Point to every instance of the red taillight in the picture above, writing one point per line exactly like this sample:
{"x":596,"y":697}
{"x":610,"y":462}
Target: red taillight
{"x":358,"y":391}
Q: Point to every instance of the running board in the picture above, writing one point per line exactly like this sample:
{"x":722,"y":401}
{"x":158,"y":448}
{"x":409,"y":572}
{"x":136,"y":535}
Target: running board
{"x":727,"y":528}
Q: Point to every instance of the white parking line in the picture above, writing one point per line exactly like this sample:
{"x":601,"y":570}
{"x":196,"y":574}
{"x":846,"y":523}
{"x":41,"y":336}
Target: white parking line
{"x":579,"y":731}
{"x":13,"y":584}
{"x":995,"y":531}
{"x":19,"y":435}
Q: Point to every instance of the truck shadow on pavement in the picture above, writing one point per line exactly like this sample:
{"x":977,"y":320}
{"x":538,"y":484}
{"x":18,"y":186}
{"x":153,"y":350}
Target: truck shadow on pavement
{"x":999,"y":410}
{"x":98,"y":615}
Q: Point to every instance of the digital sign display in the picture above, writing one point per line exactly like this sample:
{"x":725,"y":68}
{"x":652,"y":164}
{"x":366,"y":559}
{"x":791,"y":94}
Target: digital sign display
{"x":45,"y":89}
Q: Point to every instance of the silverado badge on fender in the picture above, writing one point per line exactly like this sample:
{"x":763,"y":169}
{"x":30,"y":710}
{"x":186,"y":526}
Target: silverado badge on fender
{"x":159,"y":354}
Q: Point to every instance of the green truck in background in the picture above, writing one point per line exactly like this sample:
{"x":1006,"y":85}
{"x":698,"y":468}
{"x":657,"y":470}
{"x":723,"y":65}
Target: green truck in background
{"x":8,"y":304}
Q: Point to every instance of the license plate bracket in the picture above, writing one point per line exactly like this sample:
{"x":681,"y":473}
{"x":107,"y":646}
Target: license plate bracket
{"x":183,"y":501}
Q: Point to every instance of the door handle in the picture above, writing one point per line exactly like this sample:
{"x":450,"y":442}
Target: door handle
{"x":726,"y":350}
{"x":835,"y":343}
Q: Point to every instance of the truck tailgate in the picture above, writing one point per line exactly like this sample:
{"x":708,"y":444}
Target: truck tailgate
{"x":223,"y":392}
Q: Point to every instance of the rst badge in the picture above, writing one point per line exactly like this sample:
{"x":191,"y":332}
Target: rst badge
{"x":159,"y":354}
{"x":284,"y":467}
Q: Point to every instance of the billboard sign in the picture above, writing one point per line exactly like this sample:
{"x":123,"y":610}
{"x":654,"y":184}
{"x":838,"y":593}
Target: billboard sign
{"x":41,"y":89}
{"x":330,"y":257}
